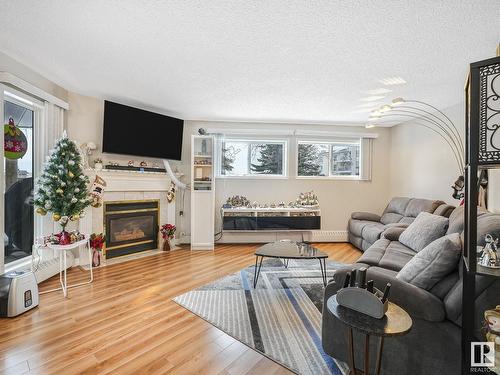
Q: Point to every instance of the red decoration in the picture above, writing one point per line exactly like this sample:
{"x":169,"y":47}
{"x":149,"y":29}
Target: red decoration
{"x":64,"y":238}
{"x":167,"y":231}
{"x":15,"y":144}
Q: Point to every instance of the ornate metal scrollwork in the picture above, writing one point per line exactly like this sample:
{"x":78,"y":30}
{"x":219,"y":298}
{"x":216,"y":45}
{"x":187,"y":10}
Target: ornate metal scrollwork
{"x":489,"y":114}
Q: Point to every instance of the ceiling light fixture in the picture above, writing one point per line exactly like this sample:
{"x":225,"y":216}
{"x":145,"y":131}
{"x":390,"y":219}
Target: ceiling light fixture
{"x":373,"y":98}
{"x":379,"y":91}
{"x":369,"y":126}
{"x":392,"y":81}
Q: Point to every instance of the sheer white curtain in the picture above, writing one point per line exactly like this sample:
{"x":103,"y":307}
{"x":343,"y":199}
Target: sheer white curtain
{"x":51,"y":124}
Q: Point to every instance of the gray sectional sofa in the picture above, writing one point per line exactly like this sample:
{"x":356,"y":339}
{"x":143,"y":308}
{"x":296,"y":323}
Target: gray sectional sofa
{"x":433,"y":346}
{"x":364,"y":228}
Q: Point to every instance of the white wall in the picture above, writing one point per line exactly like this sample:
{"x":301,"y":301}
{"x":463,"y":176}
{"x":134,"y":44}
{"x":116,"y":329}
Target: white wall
{"x":421,"y":162}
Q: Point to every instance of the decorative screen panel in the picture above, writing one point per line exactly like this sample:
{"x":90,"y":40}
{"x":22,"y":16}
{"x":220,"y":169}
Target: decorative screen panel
{"x":489,"y":114}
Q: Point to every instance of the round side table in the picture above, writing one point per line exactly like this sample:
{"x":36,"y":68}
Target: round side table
{"x":396,"y":322}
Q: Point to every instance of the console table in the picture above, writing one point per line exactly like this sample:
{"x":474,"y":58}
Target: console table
{"x":271,"y":218}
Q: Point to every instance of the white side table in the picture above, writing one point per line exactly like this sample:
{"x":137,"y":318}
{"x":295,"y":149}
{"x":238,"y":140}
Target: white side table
{"x":62,"y":250}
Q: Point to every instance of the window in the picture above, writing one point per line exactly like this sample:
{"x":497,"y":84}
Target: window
{"x":328,"y":159}
{"x":252,"y":158}
{"x":18,"y":178}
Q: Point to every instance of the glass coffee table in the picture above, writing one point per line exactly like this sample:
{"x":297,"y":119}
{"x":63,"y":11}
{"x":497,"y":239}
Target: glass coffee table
{"x":287,"y":250}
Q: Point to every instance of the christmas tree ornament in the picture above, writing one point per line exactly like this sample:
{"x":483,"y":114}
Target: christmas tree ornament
{"x":70,"y":174}
{"x":47,"y":206}
{"x":56,"y":217}
{"x":15,"y":144}
{"x":59,"y":191}
{"x":74,"y":200}
{"x":74,"y":217}
{"x":41,"y":211}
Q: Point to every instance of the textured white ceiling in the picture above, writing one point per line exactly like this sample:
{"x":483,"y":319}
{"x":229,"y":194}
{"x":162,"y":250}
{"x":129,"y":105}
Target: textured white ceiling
{"x":284,"y":61}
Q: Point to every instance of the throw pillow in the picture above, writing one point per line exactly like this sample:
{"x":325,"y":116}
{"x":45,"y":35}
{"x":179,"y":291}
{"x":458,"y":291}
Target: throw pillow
{"x":433,"y":263}
{"x":425,"y":228}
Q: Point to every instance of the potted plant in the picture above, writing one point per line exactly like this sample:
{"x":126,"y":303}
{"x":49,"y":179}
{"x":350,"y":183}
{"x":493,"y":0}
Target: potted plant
{"x":96,"y":243}
{"x":167,"y":232}
{"x":98,"y":164}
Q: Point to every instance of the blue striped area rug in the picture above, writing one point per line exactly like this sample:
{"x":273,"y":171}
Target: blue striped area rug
{"x":281,"y":318}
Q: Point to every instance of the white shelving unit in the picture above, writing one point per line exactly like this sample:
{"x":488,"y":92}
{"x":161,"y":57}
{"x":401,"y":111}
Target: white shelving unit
{"x":202,"y":192}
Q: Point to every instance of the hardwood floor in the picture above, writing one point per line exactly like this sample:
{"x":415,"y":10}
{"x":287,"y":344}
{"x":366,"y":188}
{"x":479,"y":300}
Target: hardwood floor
{"x":126,"y":323}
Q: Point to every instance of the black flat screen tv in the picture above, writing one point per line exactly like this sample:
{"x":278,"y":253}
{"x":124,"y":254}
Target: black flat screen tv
{"x":133,"y":131}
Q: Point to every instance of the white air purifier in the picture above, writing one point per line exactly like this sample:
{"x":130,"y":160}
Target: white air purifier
{"x":18,"y":293}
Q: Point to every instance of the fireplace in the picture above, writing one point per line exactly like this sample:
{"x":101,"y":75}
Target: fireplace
{"x":130,"y":227}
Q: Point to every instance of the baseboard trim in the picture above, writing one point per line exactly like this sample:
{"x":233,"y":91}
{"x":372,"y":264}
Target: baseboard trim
{"x":269,"y":236}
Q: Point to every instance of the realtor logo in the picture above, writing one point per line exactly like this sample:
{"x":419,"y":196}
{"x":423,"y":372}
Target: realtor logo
{"x":482,"y":354}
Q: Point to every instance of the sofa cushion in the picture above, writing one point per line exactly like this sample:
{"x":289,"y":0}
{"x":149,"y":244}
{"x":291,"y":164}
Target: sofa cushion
{"x":371,"y":233}
{"x":374,"y":253}
{"x":433,"y":263}
{"x":357,"y":227}
{"x":444,"y":210}
{"x":365,"y":216}
{"x":390,"y":217}
{"x":393,"y":233}
{"x":396,"y":256}
{"x":456,"y":222}
{"x":425,"y":229}
{"x":416,"y":206}
{"x":397,"y":205}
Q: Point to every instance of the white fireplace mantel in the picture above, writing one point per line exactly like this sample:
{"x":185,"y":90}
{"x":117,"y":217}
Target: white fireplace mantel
{"x":131,"y":180}
{"x":129,"y":185}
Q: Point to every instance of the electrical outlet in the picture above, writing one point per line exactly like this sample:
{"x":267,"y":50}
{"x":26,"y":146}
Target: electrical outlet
{"x":181,"y":213}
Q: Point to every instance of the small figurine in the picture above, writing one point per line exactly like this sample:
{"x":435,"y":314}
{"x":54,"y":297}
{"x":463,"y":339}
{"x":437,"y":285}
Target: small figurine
{"x":130,"y":163}
{"x":489,"y":256}
{"x":143,"y":164}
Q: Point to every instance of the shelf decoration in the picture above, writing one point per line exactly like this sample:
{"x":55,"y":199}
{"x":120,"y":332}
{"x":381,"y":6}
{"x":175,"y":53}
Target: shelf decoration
{"x":64,"y":238}
{"x":238,"y":201}
{"x":307,"y":199}
{"x":489,"y":256}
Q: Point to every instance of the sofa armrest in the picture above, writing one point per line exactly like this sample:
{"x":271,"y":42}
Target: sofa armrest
{"x":418,"y":302}
{"x":393,"y":233}
{"x":365,"y":216}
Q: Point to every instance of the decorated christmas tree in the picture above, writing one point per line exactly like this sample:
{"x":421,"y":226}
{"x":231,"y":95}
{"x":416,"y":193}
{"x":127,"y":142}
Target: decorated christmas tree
{"x":63,"y":187}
